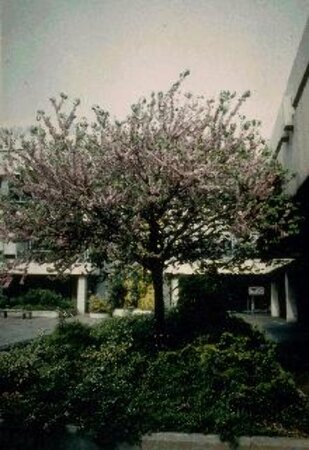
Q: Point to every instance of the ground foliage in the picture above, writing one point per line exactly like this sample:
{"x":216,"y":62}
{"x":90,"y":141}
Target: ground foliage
{"x":115,"y":383}
{"x":38,"y":299}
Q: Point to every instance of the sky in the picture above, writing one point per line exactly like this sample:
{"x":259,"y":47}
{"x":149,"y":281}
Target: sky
{"x":112,"y":52}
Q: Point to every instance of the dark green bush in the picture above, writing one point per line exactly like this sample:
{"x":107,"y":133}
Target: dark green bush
{"x":117,"y":290}
{"x":36,"y":299}
{"x":115,"y":384}
{"x":252,"y":393}
{"x":33,"y":391}
{"x":138,"y":331}
{"x":37,"y":380}
{"x":168,"y":392}
{"x":202,"y":304}
{"x":68,"y":341}
{"x":206,"y":294}
{"x":230,"y":388}
{"x":186,"y":324}
{"x":103,"y":401}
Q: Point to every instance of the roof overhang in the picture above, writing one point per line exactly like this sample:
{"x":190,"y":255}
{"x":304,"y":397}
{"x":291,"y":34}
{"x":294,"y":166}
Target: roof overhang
{"x":50,"y":270}
{"x":247,"y":267}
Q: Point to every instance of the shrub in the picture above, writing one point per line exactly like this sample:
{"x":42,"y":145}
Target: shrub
{"x":138,"y":331}
{"x":99,"y":304}
{"x":41,"y":299}
{"x":103,"y":401}
{"x":33,"y":391}
{"x":37,"y":380}
{"x":117,"y":290}
{"x":204,"y":295}
{"x":231,"y":388}
{"x":134,"y":282}
{"x":251,"y":394}
{"x":140,"y":290}
{"x":68,"y":341}
{"x":167,"y":393}
{"x":130,"y":287}
{"x":115,"y":384}
{"x":146,"y":301}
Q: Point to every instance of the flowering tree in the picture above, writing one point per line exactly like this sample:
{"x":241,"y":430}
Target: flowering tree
{"x":168,"y":184}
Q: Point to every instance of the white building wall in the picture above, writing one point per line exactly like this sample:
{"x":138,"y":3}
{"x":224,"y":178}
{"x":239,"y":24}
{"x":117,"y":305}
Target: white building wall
{"x":290,"y":298}
{"x":274,"y":299}
{"x":290,"y":143}
{"x":82,"y":283}
{"x":290,"y":138}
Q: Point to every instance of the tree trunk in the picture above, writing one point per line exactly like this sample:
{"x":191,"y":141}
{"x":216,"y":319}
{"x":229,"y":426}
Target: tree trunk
{"x":157,"y":281}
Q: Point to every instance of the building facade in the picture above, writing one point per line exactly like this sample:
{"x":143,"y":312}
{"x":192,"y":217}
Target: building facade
{"x":290,"y":143}
{"x":285,"y":280}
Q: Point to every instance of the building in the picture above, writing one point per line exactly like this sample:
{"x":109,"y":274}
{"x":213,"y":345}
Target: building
{"x":285,"y":281}
{"x":73,"y":285}
{"x":290,"y":142}
{"x":290,"y":137}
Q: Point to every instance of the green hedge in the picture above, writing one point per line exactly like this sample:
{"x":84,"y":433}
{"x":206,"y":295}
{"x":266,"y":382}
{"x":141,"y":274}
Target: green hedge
{"x":114,"y":383}
{"x":38,"y":299}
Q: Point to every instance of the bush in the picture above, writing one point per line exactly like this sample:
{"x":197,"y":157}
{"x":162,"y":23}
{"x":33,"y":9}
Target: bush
{"x":36,"y":299}
{"x":33,"y":391}
{"x":146,"y":301}
{"x":69,"y":340}
{"x":103,"y":401}
{"x":140,"y":290}
{"x":114,"y":383}
{"x":99,"y":304}
{"x":37,"y":380}
{"x":130,"y":287}
{"x":203,"y":295}
{"x":117,"y":290}
{"x":231,"y":388}
{"x":136,"y":331}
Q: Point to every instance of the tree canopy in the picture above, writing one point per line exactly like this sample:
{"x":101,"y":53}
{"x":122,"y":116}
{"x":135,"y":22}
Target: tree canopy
{"x":170,"y":183}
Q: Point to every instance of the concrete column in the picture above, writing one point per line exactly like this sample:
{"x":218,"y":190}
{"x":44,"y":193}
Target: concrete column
{"x":167,"y":292}
{"x":81,"y":294}
{"x":174,"y":291}
{"x":290,"y":298}
{"x":252,"y":304}
{"x":274,"y":299}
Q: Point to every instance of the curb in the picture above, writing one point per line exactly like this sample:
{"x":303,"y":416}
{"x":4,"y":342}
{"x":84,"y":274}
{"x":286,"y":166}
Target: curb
{"x":196,"y":441}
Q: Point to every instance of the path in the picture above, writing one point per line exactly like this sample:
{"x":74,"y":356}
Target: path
{"x":15,"y":330}
{"x":277,"y":329}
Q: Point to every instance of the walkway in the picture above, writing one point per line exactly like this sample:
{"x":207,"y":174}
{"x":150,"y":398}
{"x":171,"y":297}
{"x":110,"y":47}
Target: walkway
{"x":277,"y":329}
{"x":16,"y":330}
{"x":293,"y":340}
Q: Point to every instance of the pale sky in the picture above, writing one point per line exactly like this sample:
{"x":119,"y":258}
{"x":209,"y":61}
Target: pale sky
{"x":111,"y":52}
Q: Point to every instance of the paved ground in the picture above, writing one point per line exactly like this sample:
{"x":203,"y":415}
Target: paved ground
{"x":293,"y":339}
{"x":277,"y":329}
{"x":14,"y":330}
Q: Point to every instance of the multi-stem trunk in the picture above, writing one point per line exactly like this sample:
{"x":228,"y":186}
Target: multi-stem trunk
{"x":157,"y":281}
